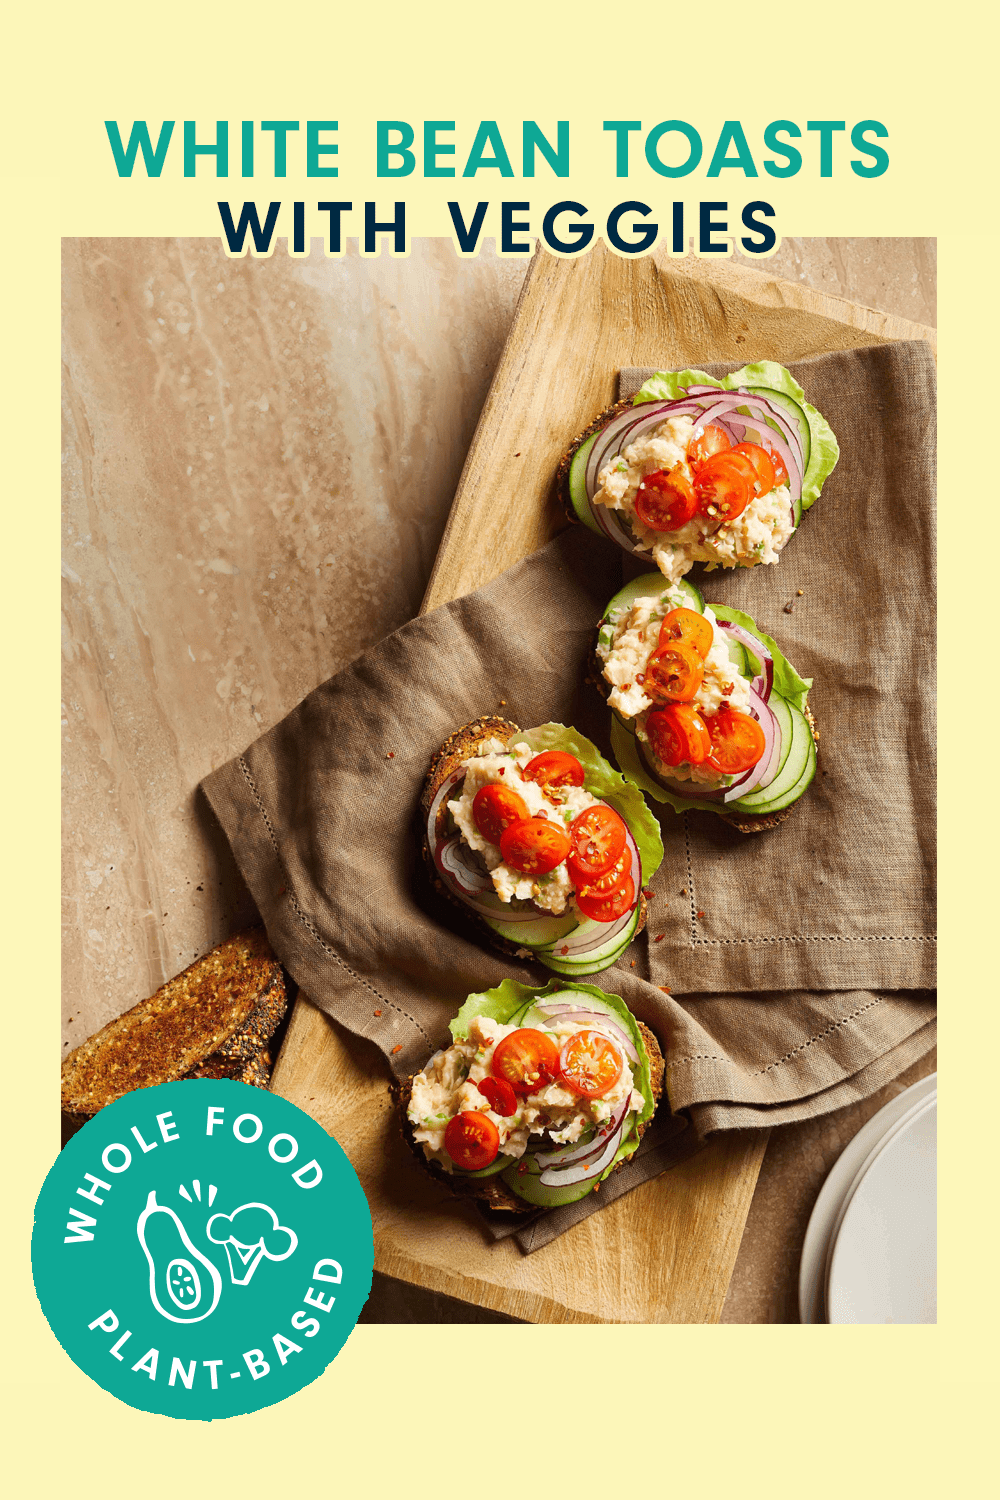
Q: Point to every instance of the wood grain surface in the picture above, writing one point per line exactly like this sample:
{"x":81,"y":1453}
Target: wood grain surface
{"x":577,"y":323}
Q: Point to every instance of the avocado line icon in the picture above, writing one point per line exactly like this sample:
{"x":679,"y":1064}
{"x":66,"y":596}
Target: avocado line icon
{"x":180,"y":1276}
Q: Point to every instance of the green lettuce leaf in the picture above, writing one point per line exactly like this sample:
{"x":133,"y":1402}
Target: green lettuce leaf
{"x":603,"y":781}
{"x":502,"y":1005}
{"x":499,"y":1004}
{"x":793,"y":688}
{"x":671,"y":385}
{"x":824,"y":451}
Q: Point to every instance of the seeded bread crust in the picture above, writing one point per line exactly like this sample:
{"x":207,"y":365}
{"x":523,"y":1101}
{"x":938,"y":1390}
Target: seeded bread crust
{"x":562,"y":468}
{"x":490,"y":1190}
{"x":222,"y":1010}
{"x":456,"y":750}
{"x":744,"y":822}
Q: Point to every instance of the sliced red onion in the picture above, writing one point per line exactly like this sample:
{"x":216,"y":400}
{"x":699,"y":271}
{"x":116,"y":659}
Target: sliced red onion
{"x":561,"y":1013}
{"x":772,"y":746}
{"x":453,"y":861}
{"x":564,"y":1176}
{"x":565,"y":1156}
{"x":764,"y":681}
{"x":596,"y":935}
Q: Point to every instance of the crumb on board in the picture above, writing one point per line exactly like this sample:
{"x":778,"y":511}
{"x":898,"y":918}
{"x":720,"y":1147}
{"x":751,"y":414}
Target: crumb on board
{"x":800,"y":592}
{"x":788,"y":609}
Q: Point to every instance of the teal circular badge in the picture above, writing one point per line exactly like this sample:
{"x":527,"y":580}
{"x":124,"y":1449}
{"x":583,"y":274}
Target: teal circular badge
{"x":202,"y":1249}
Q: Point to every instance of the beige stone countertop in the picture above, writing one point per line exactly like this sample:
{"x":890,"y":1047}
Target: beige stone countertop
{"x":259,"y":460}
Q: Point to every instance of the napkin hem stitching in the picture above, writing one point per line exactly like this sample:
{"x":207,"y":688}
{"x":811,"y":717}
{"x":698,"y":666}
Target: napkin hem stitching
{"x":306,"y":923}
{"x":834,"y":1026}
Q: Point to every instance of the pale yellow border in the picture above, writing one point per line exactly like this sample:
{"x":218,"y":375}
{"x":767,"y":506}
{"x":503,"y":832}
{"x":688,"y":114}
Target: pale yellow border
{"x":745,"y":1411}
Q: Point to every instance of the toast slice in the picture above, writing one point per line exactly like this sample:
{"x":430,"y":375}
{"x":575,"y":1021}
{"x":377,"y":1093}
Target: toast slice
{"x":221,"y":1011}
{"x":490,"y":1190}
{"x":744,"y":822}
{"x":456,"y":750}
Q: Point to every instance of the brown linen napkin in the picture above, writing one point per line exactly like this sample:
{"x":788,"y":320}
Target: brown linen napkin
{"x":804,"y":986}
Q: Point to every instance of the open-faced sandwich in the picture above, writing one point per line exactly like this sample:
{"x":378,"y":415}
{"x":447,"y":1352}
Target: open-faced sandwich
{"x":707,"y":713}
{"x":542,"y":841}
{"x":541,"y":1095}
{"x":702,"y":470}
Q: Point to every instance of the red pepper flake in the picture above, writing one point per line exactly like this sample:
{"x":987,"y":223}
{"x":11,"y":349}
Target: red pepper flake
{"x":665,"y":988}
{"x":522,"y":1167}
{"x":391,"y":755}
{"x":633,"y":963}
{"x":564,"y":949}
{"x":377,"y":1013}
{"x":699,"y":915}
{"x":503,"y":770}
{"x":648,"y":892}
{"x":597,"y":1187}
{"x":398,"y":1047}
{"x":659,"y":937}
{"x":517,"y":455}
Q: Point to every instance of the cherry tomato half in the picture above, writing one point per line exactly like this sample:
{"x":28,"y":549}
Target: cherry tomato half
{"x":527,"y":1060}
{"x":712,"y":439}
{"x":762,"y":463}
{"x":554,"y":768}
{"x":604,"y":884}
{"x":737,"y":741}
{"x":502,"y":1099}
{"x":673,"y":673}
{"x":689,"y":626}
{"x":679,"y":734}
{"x":780,"y":472}
{"x":666,"y":501}
{"x":597,"y":837}
{"x":724,"y":487}
{"x":472,"y":1140}
{"x":534,"y":846}
{"x":590,"y":1064}
{"x":495,"y":807}
{"x":606,"y":906}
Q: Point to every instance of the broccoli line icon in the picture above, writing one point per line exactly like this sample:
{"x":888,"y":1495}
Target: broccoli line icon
{"x":250,"y":1233}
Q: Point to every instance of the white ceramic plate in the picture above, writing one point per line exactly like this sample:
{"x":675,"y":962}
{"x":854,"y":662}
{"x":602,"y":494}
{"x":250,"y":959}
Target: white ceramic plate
{"x":836,"y":1191}
{"x":883,"y":1266}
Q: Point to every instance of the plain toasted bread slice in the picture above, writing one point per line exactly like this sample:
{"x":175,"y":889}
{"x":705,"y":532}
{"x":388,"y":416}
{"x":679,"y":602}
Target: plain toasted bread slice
{"x":225,"y":1006}
{"x":490,"y":1190}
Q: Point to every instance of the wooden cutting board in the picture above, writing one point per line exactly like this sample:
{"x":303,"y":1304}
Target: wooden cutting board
{"x":665,"y":1252}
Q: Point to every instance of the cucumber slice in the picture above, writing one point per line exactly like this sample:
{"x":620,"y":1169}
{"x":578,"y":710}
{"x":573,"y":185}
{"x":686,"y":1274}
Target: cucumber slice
{"x":577,"y":482}
{"x":543,"y":933}
{"x":738,"y":656}
{"x":793,"y":793}
{"x":783,"y":713}
{"x":652,"y":585}
{"x":499,"y":1164}
{"x":794,"y":768}
{"x":597,"y":958}
{"x":794,"y":411}
{"x":529,"y":1187}
{"x":586,"y":999}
